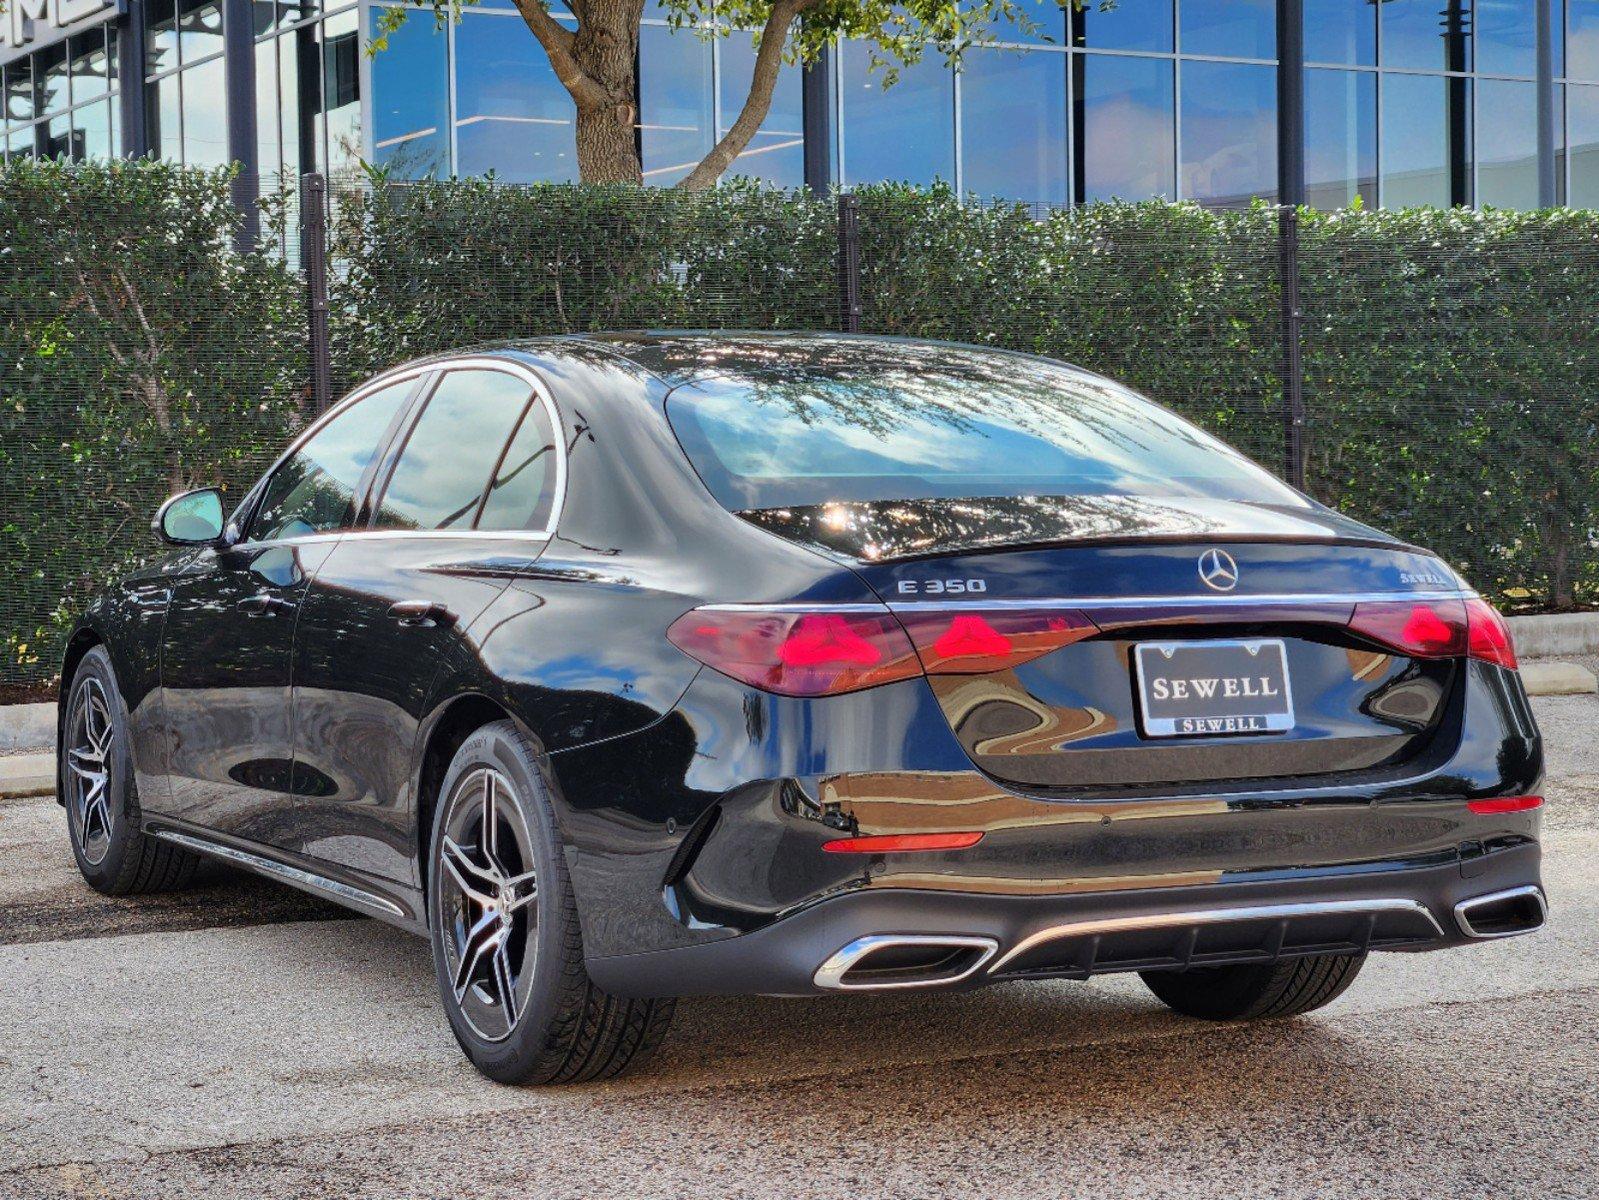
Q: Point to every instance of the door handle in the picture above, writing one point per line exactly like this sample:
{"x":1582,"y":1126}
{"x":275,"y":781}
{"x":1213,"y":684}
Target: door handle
{"x":414,"y":614}
{"x":265,"y":605}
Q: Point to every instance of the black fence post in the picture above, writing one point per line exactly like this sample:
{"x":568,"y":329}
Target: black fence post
{"x":1293,"y":364}
{"x":849,"y":263}
{"x":314,"y":258}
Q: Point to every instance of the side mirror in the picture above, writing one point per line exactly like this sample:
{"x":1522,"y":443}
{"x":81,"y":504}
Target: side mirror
{"x":190,"y":518}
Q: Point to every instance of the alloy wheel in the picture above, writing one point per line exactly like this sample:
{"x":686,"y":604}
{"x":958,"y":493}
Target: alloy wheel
{"x":89,"y":748}
{"x":488,"y":903}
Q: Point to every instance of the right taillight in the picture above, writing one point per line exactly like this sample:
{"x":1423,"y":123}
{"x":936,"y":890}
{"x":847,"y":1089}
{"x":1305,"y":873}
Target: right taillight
{"x":1488,"y":634}
{"x":1437,"y":629}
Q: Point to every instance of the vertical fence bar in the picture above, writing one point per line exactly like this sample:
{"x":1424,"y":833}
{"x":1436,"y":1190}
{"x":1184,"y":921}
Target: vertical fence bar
{"x":314,"y":258}
{"x":849,"y":263}
{"x":1293,"y":365}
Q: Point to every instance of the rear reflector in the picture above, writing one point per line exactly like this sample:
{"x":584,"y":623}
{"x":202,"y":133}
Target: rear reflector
{"x":900,"y":843}
{"x":979,"y":643}
{"x":798,"y":653}
{"x":1504,"y":804}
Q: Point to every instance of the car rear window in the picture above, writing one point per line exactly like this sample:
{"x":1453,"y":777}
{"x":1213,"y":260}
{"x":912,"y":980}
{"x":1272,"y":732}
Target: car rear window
{"x":975,"y":426}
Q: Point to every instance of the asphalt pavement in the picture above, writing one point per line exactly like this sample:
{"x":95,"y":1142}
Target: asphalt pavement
{"x":243,"y":1040}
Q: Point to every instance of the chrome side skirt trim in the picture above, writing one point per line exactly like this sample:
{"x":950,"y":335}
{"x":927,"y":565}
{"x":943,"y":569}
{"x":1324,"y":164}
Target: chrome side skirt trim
{"x":1463,"y":911}
{"x":830,"y":975}
{"x":1268,"y":912}
{"x":344,"y":893}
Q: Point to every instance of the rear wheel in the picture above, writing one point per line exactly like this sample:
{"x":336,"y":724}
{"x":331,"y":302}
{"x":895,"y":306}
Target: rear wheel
{"x":1280,"y":989}
{"x":95,"y":774}
{"x":507,"y":950}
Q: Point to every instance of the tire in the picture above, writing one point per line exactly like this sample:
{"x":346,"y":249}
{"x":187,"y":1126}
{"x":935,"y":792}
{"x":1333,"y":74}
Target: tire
{"x":94,"y":778}
{"x":1245,"y":993}
{"x":558,"y":1027}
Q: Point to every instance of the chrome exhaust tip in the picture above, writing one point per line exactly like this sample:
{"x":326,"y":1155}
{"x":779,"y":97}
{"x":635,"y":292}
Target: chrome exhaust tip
{"x":1503,"y":914}
{"x":881,"y":961}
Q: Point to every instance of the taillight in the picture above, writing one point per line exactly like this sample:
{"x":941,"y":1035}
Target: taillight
{"x":1431,"y":629}
{"x":824,"y":653}
{"x":1488,"y":634}
{"x":953,"y":642}
{"x":1438,"y":629}
{"x":817,"y":653}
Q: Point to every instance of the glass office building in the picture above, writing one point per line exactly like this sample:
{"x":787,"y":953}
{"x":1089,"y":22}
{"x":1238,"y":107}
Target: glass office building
{"x":1404,"y":101}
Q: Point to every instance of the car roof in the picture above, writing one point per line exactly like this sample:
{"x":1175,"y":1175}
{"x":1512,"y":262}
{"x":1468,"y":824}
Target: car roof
{"x":677,"y":357}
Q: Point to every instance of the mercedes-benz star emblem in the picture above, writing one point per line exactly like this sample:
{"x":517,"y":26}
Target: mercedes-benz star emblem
{"x":1218,"y":571}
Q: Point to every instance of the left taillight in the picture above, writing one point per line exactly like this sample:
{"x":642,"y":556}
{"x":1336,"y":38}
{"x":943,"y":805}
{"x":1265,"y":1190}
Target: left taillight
{"x":817,"y":653}
{"x":827,"y":652}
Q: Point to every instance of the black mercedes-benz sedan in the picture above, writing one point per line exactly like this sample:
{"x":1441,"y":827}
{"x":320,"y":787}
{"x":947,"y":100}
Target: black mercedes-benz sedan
{"x":637,"y":666}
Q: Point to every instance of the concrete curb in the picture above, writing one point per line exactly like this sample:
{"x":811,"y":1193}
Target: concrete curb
{"x":27,"y":727}
{"x":1552,"y":678}
{"x":27,"y":775}
{"x":1558,"y":635}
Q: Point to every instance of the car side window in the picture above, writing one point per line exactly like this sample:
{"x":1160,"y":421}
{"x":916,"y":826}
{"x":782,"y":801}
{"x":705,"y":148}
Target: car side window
{"x":523,"y":492}
{"x":314,"y":490}
{"x":452,"y":449}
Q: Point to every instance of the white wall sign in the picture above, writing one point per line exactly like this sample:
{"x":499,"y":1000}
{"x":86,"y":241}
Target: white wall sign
{"x":28,"y":21}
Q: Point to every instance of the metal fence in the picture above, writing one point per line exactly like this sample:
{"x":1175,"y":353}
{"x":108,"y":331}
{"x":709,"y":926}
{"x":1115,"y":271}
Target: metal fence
{"x":1433,"y":373}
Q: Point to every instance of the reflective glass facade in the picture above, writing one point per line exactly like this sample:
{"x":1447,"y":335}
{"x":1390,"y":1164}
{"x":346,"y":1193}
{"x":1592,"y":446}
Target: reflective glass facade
{"x":1405,"y":101}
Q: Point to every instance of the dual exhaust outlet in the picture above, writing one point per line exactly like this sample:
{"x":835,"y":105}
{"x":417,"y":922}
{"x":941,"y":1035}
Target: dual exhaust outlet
{"x":887,"y":961}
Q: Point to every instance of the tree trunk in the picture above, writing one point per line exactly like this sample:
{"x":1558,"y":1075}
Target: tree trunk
{"x":595,"y":65}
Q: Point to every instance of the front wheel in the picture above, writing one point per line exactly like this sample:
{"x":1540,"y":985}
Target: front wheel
{"x":94,"y":771}
{"x":507,"y":950}
{"x":1280,"y":989}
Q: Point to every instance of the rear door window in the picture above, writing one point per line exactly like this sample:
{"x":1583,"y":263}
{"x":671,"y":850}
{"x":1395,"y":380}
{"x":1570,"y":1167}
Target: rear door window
{"x":522,"y":495}
{"x":452,"y":450}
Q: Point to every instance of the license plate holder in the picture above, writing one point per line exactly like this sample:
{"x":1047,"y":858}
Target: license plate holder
{"x":1216,"y":688}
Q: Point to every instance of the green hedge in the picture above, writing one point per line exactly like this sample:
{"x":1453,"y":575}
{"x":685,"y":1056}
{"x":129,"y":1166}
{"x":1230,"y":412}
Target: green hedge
{"x":1450,"y":358}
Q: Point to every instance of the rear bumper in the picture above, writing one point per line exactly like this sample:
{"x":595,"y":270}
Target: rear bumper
{"x":995,"y":937}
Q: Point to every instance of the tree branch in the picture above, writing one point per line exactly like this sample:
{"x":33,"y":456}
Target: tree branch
{"x":763,"y":82}
{"x":557,"y":41}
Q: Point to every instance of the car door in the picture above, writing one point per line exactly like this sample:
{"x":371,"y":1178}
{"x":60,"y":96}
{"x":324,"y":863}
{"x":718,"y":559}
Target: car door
{"x":463,"y":500}
{"x":227,"y":645}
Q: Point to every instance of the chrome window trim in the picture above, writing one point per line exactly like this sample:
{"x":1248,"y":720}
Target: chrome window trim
{"x":541,"y":393}
{"x":1265,"y":912}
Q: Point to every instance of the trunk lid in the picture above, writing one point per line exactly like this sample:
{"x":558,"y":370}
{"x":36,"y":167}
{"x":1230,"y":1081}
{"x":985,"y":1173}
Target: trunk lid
{"x":1213,"y":591}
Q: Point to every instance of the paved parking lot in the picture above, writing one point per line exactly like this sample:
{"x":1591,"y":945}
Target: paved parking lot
{"x":243,"y":1040}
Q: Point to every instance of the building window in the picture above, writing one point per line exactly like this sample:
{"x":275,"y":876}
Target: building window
{"x":1013,"y":125}
{"x":1582,"y":136}
{"x":1229,"y":132}
{"x":512,"y":116}
{"x":1507,"y":144}
{"x":411,"y":99}
{"x":1124,"y":118}
{"x":677,"y":102}
{"x":308,"y":90}
{"x":1426,"y":140}
{"x":61,"y":101}
{"x":186,"y":101}
{"x":1340,"y":138}
{"x":1343,"y":32}
{"x":776,"y":154}
{"x":905,"y":133}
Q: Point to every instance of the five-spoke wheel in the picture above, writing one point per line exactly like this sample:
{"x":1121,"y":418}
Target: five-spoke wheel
{"x":507,"y":948}
{"x":88,"y":759}
{"x":489,"y":896}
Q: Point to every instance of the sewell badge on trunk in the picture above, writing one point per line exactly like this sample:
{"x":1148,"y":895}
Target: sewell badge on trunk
{"x":1196,"y":689}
